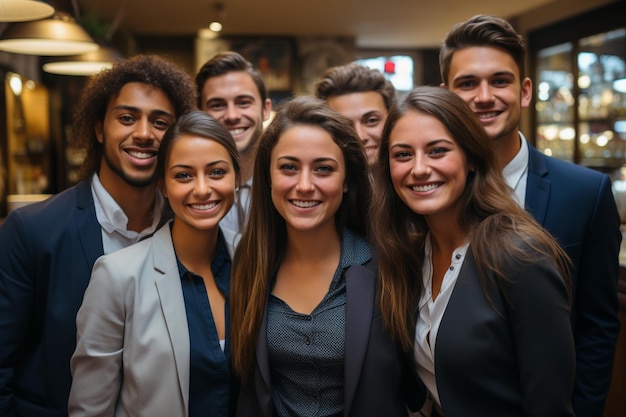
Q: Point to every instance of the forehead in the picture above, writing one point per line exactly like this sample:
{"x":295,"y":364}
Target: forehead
{"x":355,"y":105}
{"x":306,"y":140}
{"x":416,"y":127}
{"x":195,"y":148}
{"x":481,"y":61}
{"x":142,"y":96}
{"x":229,"y":86}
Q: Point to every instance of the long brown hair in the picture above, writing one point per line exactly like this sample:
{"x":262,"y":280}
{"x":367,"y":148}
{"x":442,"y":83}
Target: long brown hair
{"x":264,"y":237}
{"x":500,"y":230}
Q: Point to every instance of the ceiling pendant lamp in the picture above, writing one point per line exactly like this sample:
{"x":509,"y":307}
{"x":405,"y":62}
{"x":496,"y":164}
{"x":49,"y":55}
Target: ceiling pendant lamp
{"x":84,"y":65}
{"x":58,"y":35}
{"x":24,"y":10}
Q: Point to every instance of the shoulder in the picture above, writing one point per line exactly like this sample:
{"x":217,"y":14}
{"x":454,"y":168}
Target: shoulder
{"x":566,"y":171}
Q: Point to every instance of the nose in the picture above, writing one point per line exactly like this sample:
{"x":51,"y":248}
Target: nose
{"x":143,"y":129}
{"x":484,"y":94}
{"x":361,"y":132}
{"x":420,"y":167}
{"x":232,"y":113}
{"x":202,"y":186}
{"x":305,"y":182}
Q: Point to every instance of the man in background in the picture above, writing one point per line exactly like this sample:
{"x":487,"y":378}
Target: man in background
{"x":482,"y":60}
{"x":232,"y":90}
{"x":364,"y":96}
{"x":49,"y":248}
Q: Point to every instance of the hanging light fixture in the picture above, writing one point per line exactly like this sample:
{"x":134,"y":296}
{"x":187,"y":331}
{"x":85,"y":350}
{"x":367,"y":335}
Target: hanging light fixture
{"x":84,"y":65}
{"x":24,"y":10}
{"x":58,"y":35}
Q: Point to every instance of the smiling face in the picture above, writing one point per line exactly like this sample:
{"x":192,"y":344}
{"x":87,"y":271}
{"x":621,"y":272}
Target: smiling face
{"x":367,"y":112}
{"x":199,"y":182}
{"x":488,"y":79}
{"x":234,"y":100}
{"x":428,"y":168}
{"x":308,"y":177}
{"x":134,"y":124}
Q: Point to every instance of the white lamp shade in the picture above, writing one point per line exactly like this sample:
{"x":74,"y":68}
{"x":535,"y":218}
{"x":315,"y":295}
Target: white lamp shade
{"x":58,"y":35}
{"x":24,"y":10}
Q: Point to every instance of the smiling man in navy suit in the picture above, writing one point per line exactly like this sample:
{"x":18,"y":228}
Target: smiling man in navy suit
{"x":482,"y":60}
{"x":49,"y":248}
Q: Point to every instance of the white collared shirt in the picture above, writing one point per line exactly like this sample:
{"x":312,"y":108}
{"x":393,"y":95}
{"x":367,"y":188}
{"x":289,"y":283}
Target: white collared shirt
{"x":516,"y":172}
{"x":431,"y":312}
{"x":113,"y":221}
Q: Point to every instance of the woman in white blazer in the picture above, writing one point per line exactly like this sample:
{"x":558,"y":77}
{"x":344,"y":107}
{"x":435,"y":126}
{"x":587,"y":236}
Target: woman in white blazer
{"x":153,"y":326}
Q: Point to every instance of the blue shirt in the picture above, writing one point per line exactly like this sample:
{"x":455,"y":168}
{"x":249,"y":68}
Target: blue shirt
{"x":306,"y":351}
{"x":209,"y":376}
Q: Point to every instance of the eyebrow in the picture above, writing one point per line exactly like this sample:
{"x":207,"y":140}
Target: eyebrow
{"x":134,"y":109}
{"x":295,"y":159}
{"x":208,"y":164}
{"x":430,"y":143}
{"x":472,"y":76}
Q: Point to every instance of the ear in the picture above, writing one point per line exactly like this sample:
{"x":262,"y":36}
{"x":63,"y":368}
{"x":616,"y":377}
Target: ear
{"x":527,"y":92}
{"x":99,"y":131}
{"x":442,"y":85}
{"x":345,"y":188}
{"x":267,"y":109}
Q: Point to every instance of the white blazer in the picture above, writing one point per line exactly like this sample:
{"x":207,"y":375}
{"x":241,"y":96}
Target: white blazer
{"x":132,"y":352}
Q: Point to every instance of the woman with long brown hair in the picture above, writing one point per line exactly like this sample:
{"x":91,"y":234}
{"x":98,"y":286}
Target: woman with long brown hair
{"x":307,"y":334}
{"x":489,"y":285}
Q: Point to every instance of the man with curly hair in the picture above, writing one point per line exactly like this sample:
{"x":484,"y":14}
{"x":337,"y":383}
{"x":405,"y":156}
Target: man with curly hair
{"x":49,"y":248}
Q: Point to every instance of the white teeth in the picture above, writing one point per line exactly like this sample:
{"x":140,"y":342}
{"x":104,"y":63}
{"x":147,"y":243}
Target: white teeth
{"x":487,"y":115}
{"x":304,"y":204}
{"x":236,"y":131}
{"x":140,"y":155}
{"x":424,"y":188}
{"x":203,"y":206}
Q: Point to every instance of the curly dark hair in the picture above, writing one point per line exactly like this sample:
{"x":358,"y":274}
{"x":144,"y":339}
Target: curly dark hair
{"x":90,"y":110}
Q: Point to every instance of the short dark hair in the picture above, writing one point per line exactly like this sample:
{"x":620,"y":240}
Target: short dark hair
{"x":482,"y":30}
{"x":151,"y":70}
{"x":223,"y":63}
{"x":355,"y":78}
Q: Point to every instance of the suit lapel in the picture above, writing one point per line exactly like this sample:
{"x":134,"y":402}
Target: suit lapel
{"x":87,"y":223}
{"x":170,"y":295}
{"x":537,"y":186}
{"x":360,"y":300}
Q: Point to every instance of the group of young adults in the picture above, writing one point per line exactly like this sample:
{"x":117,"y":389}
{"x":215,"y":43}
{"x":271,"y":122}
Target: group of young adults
{"x":358,"y":257}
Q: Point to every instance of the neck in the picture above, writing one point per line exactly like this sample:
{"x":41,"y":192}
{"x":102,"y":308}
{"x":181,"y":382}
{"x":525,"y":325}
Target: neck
{"x":445,"y":238}
{"x":194,"y":248}
{"x":136,"y":202}
{"x":507,"y":147}
{"x":306,"y":246}
{"x":246,"y":163}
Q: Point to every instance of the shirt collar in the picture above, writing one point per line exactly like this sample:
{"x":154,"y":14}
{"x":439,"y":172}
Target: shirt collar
{"x":518,"y":166}
{"x":111,"y":216}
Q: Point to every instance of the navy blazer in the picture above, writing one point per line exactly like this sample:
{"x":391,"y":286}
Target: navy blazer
{"x":576,"y":205}
{"x":48,"y":250}
{"x":511,"y":356}
{"x":380,"y":380}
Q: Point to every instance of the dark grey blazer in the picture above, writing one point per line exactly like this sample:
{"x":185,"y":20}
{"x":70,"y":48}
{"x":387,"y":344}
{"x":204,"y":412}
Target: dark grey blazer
{"x":379,"y":379}
{"x":512,"y":358}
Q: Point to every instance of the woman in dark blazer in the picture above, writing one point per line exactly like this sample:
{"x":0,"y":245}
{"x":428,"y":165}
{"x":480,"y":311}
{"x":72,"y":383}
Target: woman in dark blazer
{"x":490,"y":286}
{"x":308,"y":337}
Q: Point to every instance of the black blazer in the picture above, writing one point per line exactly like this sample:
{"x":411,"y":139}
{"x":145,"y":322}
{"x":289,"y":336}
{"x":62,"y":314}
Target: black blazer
{"x":48,"y":250}
{"x":576,"y":205}
{"x":514,"y":357}
{"x":379,"y":379}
